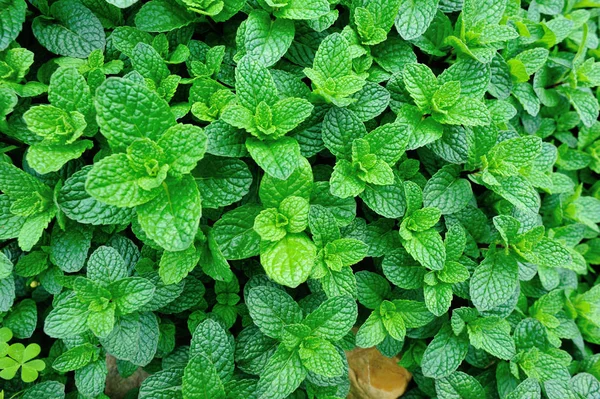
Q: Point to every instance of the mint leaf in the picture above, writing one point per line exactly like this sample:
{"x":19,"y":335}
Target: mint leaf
{"x":290,"y":260}
{"x":12,"y":18}
{"x":444,"y":354}
{"x":171,"y":218}
{"x":73,"y":30}
{"x":446,"y":191}
{"x":123,"y":108}
{"x":265,"y":40}
{"x":277,"y":158}
{"x":283,"y":374}
{"x":414,"y":18}
{"x":494,"y":281}
{"x":272,"y":309}
{"x":296,"y":9}
{"x":162,"y":16}
{"x":493,"y":336}
{"x":333,"y":318}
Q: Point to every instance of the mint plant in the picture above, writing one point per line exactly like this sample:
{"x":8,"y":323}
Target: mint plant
{"x":230,"y":195}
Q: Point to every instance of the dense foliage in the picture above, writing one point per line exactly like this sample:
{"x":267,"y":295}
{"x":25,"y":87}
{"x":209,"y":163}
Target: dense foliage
{"x":230,"y":193}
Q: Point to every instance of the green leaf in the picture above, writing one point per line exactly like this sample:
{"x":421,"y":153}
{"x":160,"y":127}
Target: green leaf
{"x":33,"y":228}
{"x":175,"y":266}
{"x":341,"y":127}
{"x":333,"y":318}
{"x":91,"y":378}
{"x":67,"y":319}
{"x":459,"y":385}
{"x":124,"y":107}
{"x":46,"y":389}
{"x":162,"y":16}
{"x":163,"y":384}
{"x":387,"y":200}
{"x":69,"y":248}
{"x":427,"y":248}
{"x":134,"y":338}
{"x":106,"y":266}
{"x":273,"y":191}
{"x":518,"y":191}
{"x":102,"y":322}
{"x":32,"y":264}
{"x":492,"y":334}
{"x":184,"y":145}
{"x":415,"y":17}
{"x":414,"y":313}
{"x":51,"y":158}
{"x":213,"y":262}
{"x":444,"y":354}
{"x":282,"y":375}
{"x":266,"y":40}
{"x":344,"y":180}
{"x":114,"y":181}
{"x":321,"y":357}
{"x":303,"y":9}
{"x":130,"y":294}
{"x":529,"y":388}
{"x":289,"y":261}
{"x":487,"y":12}
{"x":22,"y":319}
{"x":331,"y":59}
{"x":474,"y":77}
{"x":372,"y":289}
{"x":392,"y":321}
{"x":75,"y":358}
{"x":73,"y":30}
{"x":271,"y":225}
{"x":11,"y":20}
{"x":371,"y":332}
{"x":148,"y":62}
{"x":272,"y":309}
{"x":446,"y":191}
{"x":467,"y":112}
{"x":586,"y":105}
{"x":6,"y":266}
{"x":520,"y":151}
{"x":211,"y":340}
{"x":254,"y":84}
{"x":200,"y":379}
{"x":16,"y":183}
{"x":344,"y":252}
{"x":78,"y":205}
{"x":289,"y":113}
{"x":421,"y":84}
{"x":277,"y":158}
{"x":438,"y":298}
{"x":171,"y":218}
{"x":295,"y":210}
{"x":235,"y":235}
{"x":126,"y":38}
{"x":494,"y":281}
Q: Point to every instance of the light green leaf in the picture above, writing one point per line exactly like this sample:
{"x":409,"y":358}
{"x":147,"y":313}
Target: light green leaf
{"x":494,"y":281}
{"x":266,"y":40}
{"x":171,"y":218}
{"x":277,"y":158}
{"x":444,"y":354}
{"x":290,"y":260}
{"x":446,"y":191}
{"x":128,"y":111}
{"x":414,"y":17}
